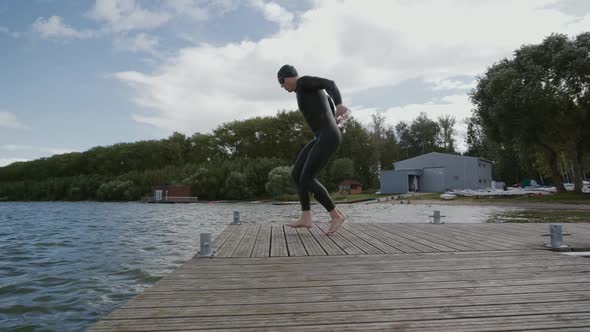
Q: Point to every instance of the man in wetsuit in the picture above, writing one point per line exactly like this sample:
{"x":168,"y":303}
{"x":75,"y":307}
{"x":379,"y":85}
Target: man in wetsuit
{"x":322,"y":112}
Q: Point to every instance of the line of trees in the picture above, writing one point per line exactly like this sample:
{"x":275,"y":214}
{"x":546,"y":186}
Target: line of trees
{"x":238,"y":160}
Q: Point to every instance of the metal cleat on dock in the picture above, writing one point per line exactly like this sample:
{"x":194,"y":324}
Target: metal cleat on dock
{"x":436,"y":218}
{"x":556,"y":234}
{"x":236,"y":218}
{"x":205,"y":246}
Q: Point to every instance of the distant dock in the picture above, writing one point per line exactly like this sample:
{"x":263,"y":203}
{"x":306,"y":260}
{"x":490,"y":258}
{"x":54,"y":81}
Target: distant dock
{"x":372,"y":277}
{"x":171,"y":200}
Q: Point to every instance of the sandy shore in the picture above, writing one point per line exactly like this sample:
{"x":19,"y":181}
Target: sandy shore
{"x":526,"y":205}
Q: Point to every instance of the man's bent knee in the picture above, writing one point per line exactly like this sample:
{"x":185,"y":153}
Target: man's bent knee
{"x":295,"y":176}
{"x":306,"y":182}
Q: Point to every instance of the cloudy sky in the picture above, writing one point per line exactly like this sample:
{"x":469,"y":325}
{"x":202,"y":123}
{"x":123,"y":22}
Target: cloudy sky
{"x":78,"y":74}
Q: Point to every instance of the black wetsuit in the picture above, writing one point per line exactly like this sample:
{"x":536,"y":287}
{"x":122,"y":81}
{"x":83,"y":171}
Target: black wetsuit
{"x":319,"y":112}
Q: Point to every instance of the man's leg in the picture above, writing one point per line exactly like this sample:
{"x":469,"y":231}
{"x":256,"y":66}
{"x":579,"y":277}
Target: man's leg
{"x":305,"y":220}
{"x":317,"y":159}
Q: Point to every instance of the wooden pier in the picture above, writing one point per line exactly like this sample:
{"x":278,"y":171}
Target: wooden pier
{"x":372,"y":277}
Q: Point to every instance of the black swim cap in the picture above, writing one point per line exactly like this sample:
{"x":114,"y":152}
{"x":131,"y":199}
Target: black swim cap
{"x":287,"y":71}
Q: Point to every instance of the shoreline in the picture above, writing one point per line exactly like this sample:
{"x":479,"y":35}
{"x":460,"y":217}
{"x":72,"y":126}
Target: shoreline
{"x":528,"y":205}
{"x":455,"y":202}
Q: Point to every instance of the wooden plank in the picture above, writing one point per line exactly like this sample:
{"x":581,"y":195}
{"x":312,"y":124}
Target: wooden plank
{"x":396,"y":261}
{"x":431,"y":236}
{"x":471,"y":239}
{"x":348,"y":247}
{"x":303,"y":317}
{"x":262,"y":244}
{"x":550,"y":323}
{"x":489,"y":233}
{"x":418,"y":256}
{"x":358,"y":270}
{"x":312,"y":247}
{"x":487,"y":239}
{"x":314,"y":281}
{"x":402,"y":243}
{"x":378,"y":243}
{"x":361,"y":267}
{"x":495,"y":234}
{"x":278,"y":245}
{"x":361,"y":240}
{"x":398,"y":247}
{"x":222,"y":237}
{"x":279,"y":308}
{"x":490,"y":280}
{"x":358,"y":293}
{"x":247,"y":243}
{"x":325,"y":242}
{"x":229,"y":246}
{"x":399,"y":231}
{"x":294,"y":245}
{"x":355,"y":267}
{"x":448,"y":233}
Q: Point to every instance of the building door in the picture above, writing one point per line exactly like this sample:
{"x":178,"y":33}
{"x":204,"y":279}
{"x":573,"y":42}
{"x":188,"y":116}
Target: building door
{"x":158,"y":195}
{"x":413,"y":183}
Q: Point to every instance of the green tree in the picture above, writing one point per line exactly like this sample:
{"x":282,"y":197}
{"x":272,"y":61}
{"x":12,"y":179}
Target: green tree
{"x":118,"y":190}
{"x":446,"y":135}
{"x":384,"y":142}
{"x":204,"y":184}
{"x":236,"y":186}
{"x":538,"y":101}
{"x":357,"y":145}
{"x":342,"y":169}
{"x":257,"y":171}
{"x":425,"y":132}
{"x":280,"y":181}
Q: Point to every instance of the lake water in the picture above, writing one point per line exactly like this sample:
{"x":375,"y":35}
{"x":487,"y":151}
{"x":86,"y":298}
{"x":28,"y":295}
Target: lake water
{"x":63,"y":266}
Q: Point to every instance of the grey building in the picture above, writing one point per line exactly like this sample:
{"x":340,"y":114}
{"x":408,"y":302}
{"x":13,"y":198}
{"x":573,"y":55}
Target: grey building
{"x":437,"y":172}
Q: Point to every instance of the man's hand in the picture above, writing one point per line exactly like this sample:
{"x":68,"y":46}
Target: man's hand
{"x":342,"y":113}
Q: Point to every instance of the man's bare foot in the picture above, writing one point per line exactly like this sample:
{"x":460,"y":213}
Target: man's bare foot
{"x":301,"y":223}
{"x":335,"y":223}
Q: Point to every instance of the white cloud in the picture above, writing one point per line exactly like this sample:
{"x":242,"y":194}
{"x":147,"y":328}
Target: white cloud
{"x":139,"y":43}
{"x":189,"y":8}
{"x":360,"y":45}
{"x":21,"y":148}
{"x":8,"y":120}
{"x":14,"y":147}
{"x":119,"y":17}
{"x":275,"y":13}
{"x":30,"y":151}
{"x":8,"y":32}
{"x":126,"y":15}
{"x":8,"y":161}
{"x":54,"y":27}
{"x":581,"y":24}
{"x":449,"y":84}
{"x":53,"y":151}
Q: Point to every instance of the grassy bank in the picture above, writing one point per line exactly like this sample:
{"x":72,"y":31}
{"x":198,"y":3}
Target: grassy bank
{"x":541,"y":216}
{"x":565,"y":198}
{"x":337,"y":197}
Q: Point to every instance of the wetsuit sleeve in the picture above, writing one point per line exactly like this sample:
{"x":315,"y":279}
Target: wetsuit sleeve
{"x":318,"y":83}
